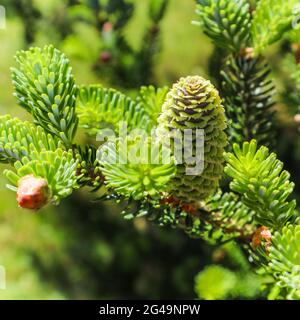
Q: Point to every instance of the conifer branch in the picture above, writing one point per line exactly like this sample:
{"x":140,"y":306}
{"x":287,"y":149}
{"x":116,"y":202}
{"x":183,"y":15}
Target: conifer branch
{"x":248,"y":99}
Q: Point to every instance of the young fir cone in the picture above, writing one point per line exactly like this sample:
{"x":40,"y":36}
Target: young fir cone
{"x":194,"y":103}
{"x":33,"y":193}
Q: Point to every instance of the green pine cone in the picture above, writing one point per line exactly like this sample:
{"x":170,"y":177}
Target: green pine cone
{"x":194,"y":103}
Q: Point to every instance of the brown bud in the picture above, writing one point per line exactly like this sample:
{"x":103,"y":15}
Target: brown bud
{"x":107,"y":27}
{"x":105,"y":56}
{"x":296,"y":50}
{"x":262,"y":236}
{"x":33,"y":193}
{"x":247,"y":53}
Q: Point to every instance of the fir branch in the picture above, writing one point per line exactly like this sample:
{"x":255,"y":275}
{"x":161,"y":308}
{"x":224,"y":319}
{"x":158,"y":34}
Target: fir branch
{"x":100,"y":108}
{"x":248,"y":99}
{"x":227,"y":23}
{"x":228,"y":214}
{"x":57,"y":167}
{"x":151,"y":100}
{"x":151,"y":42}
{"x":132,"y":172}
{"x":19,"y":139}
{"x":45,"y":87}
{"x":88,"y":170}
{"x":284,"y":261}
{"x":223,"y":217}
{"x":263,"y":185}
{"x":271,"y":20}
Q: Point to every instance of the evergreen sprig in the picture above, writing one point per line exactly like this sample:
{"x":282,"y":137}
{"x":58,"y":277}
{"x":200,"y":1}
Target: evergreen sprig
{"x":248,"y":99}
{"x":100,"y":108}
{"x":57,"y":167}
{"x":88,"y":170}
{"x":223,"y":217}
{"x":227,"y":23}
{"x":152,"y":99}
{"x":131,"y":172}
{"x":229,"y":217}
{"x":19,"y":139}
{"x":264,"y":186}
{"x":271,"y":20}
{"x":145,"y":57}
{"x":45,"y":87}
{"x":284,"y":261}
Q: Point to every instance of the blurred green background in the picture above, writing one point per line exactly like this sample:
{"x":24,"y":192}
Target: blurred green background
{"x":83,"y":249}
